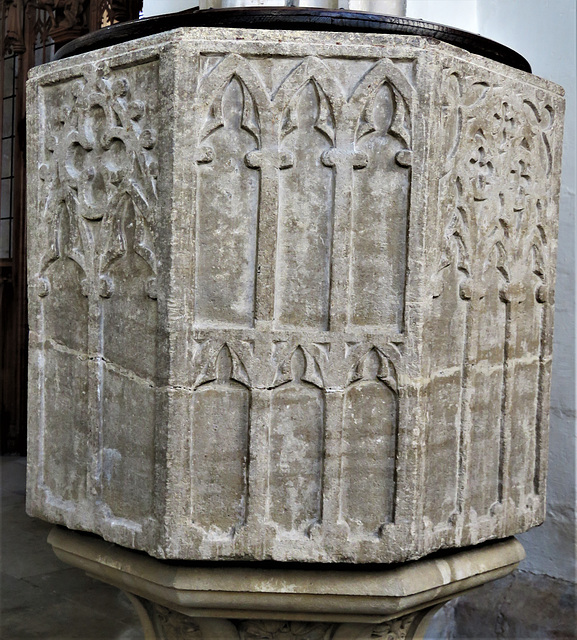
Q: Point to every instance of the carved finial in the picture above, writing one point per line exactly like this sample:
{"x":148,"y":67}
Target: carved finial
{"x":371,"y":365}
{"x":106,"y":286}
{"x":298,"y":364}
{"x":42,"y":287}
{"x":151,"y":288}
{"x":224,"y":365}
{"x":136,"y":110}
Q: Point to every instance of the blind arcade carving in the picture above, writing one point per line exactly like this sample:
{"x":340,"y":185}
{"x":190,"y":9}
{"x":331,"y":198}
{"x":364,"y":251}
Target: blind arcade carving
{"x":494,"y":273}
{"x":308,"y":291}
{"x":302,"y":139}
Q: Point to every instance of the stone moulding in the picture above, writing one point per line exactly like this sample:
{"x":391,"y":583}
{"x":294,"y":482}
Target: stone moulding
{"x":310,"y":593}
{"x":291,"y":295}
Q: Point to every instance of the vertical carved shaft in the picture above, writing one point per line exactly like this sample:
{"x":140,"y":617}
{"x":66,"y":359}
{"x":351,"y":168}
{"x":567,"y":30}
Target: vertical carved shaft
{"x":344,"y":159}
{"x":504,"y":441}
{"x":486,"y":384}
{"x":270,"y":161}
{"x":95,"y":387}
{"x":442,"y":441}
{"x":541,"y":402}
{"x":464,"y":432}
{"x":522,"y":384}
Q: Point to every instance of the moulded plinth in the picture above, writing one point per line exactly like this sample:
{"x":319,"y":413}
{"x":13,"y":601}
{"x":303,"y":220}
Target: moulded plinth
{"x":223,"y":602}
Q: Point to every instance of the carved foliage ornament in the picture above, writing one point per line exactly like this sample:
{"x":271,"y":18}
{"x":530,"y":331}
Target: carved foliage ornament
{"x":280,"y":630}
{"x":100,"y":176}
{"x":497,"y":191}
{"x":493,"y":161}
{"x":171,"y":624}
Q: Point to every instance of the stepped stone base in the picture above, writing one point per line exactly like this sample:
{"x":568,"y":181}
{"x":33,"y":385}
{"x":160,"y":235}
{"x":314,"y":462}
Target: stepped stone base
{"x":216,"y":601}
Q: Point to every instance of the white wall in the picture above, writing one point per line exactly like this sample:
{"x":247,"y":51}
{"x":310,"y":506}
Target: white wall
{"x":155,"y":7}
{"x":391,"y":7}
{"x":455,"y":13}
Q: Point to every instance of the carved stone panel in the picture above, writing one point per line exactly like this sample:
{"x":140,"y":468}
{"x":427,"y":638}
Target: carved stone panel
{"x":306,"y":203}
{"x":494,"y":195}
{"x":95,"y":280}
{"x":166,"y":624}
{"x":226,"y":219}
{"x":370,"y":422}
{"x":296,"y":449}
{"x":291,"y":295}
{"x":380,"y":211}
{"x":219,"y":459}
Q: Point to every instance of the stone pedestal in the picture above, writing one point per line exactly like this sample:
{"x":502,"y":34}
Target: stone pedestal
{"x":216,"y":601}
{"x":291,"y":295}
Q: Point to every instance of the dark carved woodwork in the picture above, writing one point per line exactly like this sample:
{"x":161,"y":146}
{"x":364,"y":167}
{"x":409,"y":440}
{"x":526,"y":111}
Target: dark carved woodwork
{"x":14,"y":29}
{"x":68,"y":18}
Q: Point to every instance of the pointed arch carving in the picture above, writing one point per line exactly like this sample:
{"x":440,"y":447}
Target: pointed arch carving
{"x":312,"y":371}
{"x":364,"y":96}
{"x":214,"y":84}
{"x":380,"y":114}
{"x":311,"y":69}
{"x":207,"y":365}
{"x":310,"y":103}
{"x":233,"y":102}
{"x":219,"y":444}
{"x":369,"y":445}
{"x":297,"y":445}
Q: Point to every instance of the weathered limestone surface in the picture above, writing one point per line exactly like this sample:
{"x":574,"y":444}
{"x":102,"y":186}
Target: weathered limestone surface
{"x":291,"y":295}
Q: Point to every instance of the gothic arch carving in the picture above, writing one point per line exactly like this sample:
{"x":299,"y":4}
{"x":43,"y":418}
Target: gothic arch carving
{"x":219,"y":446}
{"x":297,"y":446}
{"x":369,"y":447}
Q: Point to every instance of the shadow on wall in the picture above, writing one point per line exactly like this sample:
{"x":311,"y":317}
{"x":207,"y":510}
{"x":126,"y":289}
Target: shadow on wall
{"x":520,"y":606}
